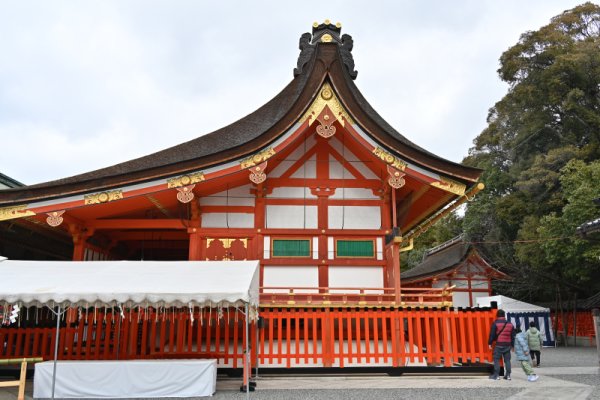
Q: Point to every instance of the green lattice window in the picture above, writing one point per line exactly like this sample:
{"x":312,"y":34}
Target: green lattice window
{"x":355,"y":248}
{"x":291,"y":248}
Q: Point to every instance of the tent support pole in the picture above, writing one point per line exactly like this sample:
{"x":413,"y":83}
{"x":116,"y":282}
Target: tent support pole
{"x":247,"y":366}
{"x":256,"y":350}
{"x":57,"y":338}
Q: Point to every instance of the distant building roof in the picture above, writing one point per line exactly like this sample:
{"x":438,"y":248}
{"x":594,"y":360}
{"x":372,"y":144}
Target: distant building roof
{"x":590,"y":227}
{"x":591,"y":302}
{"x":9,"y":182}
{"x":445,"y":258}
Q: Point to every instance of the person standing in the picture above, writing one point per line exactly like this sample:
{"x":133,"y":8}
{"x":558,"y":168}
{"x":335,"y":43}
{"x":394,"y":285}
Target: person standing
{"x":502,"y":332}
{"x":522,"y":354}
{"x":535,"y":342}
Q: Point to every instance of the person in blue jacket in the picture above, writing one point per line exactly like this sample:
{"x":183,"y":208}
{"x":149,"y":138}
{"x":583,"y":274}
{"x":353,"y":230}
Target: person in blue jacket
{"x":503,"y":333}
{"x":522,"y":353}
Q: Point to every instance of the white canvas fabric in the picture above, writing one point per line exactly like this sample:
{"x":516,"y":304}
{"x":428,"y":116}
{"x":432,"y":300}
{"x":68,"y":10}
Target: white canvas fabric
{"x":129,"y":283}
{"x":126,"y":379}
{"x":509,"y":305}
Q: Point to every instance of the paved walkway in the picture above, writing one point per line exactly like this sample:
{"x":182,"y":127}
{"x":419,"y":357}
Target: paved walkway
{"x":565,"y":374}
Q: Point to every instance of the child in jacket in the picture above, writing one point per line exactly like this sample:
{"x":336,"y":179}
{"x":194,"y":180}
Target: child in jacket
{"x":534,"y":340}
{"x":522,"y":354}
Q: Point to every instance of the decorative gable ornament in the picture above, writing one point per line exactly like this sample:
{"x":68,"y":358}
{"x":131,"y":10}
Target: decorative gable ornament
{"x":55,"y":218}
{"x":185,"y":194}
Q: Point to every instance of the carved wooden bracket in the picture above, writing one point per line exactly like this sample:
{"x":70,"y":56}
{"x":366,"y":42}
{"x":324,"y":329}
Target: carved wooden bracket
{"x":396,"y":178}
{"x":257,"y":173}
{"x":185,"y":194}
{"x":55,"y":218}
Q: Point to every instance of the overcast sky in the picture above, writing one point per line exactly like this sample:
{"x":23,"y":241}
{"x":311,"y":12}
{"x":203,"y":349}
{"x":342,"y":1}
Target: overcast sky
{"x":88,"y":84}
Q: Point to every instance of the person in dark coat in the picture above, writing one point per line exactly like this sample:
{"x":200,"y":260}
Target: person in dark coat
{"x":502,"y":333}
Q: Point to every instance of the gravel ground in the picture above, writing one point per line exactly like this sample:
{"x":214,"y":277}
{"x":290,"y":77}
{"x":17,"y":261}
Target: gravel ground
{"x":559,"y":365}
{"x":569,"y":357}
{"x":374,"y":394}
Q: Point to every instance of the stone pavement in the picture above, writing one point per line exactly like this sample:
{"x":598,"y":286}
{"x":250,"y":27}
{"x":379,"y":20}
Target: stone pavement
{"x":570,"y":373}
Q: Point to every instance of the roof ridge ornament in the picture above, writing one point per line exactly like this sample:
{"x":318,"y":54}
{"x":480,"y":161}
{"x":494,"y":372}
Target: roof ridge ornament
{"x":325,"y":33}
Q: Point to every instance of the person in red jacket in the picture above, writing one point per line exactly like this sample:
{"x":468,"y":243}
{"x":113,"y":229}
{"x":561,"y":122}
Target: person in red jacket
{"x":503,"y":333}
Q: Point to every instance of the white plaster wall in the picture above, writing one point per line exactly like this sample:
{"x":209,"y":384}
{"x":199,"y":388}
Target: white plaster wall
{"x":358,"y":277}
{"x":307,"y":170}
{"x":291,"y":193}
{"x":294,"y":217}
{"x":354,"y":217}
{"x":476,"y":295}
{"x":237,"y":196}
{"x":352,"y":159}
{"x":337,"y":171}
{"x":280,"y":169}
{"x":354,"y":193}
{"x":224,"y":220}
{"x":379,"y":248}
{"x":267,"y":247}
{"x":315,"y":248}
{"x":479,"y":285}
{"x":460,"y":299}
{"x":292,"y":158}
{"x":440,"y":283}
{"x":291,"y":276}
{"x":460,"y":284}
{"x":330,"y":248}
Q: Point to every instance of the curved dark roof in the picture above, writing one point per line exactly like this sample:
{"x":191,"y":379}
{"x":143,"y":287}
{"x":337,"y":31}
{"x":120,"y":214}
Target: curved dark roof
{"x":317,"y":62}
{"x":439,"y":261}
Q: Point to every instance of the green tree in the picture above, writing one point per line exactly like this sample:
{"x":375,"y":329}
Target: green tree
{"x":538,"y":151}
{"x":447,"y":228}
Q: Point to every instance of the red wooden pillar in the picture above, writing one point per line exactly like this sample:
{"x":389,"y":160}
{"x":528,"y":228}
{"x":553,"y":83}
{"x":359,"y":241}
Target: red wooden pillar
{"x":195,"y":241}
{"x":386,"y":210}
{"x":259,"y":225}
{"x":80,"y":236}
{"x":322,"y":170}
{"x":195,"y":248}
{"x":323,"y":221}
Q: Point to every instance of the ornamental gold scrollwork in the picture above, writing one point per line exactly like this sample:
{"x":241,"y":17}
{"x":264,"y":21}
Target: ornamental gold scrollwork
{"x":450,"y":186}
{"x":389,"y":159}
{"x":328,"y":98}
{"x":103,"y":197}
{"x":55,"y":218}
{"x":13,"y":212}
{"x":185,"y":194}
{"x":258,"y":158}
{"x":185,"y":180}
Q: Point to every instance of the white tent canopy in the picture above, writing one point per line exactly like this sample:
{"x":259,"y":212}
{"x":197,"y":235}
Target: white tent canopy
{"x":129,"y":283}
{"x":509,"y":305}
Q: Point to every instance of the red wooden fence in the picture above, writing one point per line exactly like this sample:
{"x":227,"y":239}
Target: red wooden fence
{"x":288,"y":337}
